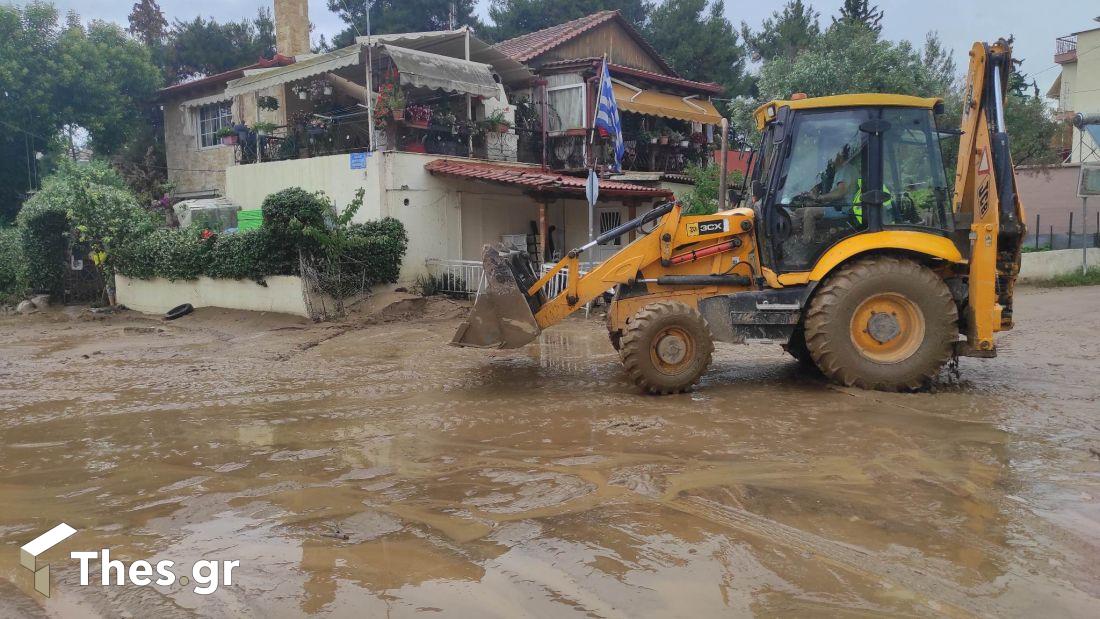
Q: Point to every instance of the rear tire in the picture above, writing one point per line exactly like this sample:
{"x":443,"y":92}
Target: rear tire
{"x":796,"y":347}
{"x":666,"y":347}
{"x":883,"y":323}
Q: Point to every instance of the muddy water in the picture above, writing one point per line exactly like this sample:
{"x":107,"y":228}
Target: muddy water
{"x":371,"y":469}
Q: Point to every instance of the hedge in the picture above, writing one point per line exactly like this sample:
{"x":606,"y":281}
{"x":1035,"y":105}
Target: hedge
{"x":13,"y":283}
{"x":374,"y":250}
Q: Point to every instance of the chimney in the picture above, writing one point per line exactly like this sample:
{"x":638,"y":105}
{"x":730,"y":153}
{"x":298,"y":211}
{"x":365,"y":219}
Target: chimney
{"x":292,"y":27}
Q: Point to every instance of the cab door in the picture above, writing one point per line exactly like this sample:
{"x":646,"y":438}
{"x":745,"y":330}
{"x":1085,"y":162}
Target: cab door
{"x":825,"y":167}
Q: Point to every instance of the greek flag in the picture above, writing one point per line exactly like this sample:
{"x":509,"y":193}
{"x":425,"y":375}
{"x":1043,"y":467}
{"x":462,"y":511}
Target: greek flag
{"x":607,"y":118}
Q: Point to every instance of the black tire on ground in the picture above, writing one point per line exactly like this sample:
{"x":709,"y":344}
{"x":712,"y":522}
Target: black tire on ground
{"x":616,"y":338}
{"x":796,"y":347}
{"x":882,"y":322}
{"x":179,"y":311}
{"x":666,"y":347}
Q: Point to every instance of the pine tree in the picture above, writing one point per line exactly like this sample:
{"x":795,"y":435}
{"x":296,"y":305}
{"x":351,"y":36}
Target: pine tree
{"x":147,"y":22}
{"x":861,"y":12}
{"x":784,"y":33}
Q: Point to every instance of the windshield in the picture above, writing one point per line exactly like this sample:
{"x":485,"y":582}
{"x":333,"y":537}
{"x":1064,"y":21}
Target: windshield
{"x":913,"y":171}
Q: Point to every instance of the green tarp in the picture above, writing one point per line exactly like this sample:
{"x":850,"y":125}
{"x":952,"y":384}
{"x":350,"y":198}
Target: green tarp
{"x":250,"y":220}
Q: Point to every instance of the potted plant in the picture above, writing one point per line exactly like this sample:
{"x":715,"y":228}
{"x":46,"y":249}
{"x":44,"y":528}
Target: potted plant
{"x":418,"y":116}
{"x":264,"y":127}
{"x":662,"y":139}
{"x":676,"y":137}
{"x":647,"y":137}
{"x":228,"y":136}
{"x":497,"y":123}
{"x":394,"y":100}
{"x":268,"y":103}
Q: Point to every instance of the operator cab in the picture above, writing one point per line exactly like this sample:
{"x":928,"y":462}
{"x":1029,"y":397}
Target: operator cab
{"x":834,"y":167}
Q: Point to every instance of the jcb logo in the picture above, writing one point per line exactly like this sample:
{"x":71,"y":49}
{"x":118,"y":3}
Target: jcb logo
{"x":711,"y":226}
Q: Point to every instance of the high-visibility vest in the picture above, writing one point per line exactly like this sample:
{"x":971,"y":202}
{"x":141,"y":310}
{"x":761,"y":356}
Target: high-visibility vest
{"x":857,"y":202}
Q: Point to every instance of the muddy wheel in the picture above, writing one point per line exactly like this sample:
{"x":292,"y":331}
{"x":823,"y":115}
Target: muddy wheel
{"x":796,"y":347}
{"x":666,"y":347}
{"x":616,"y":338}
{"x":882,"y":323}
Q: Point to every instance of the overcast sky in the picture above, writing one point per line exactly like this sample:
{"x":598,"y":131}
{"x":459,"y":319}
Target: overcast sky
{"x":959,"y":22}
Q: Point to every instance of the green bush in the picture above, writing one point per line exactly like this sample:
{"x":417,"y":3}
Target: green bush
{"x":294,"y":220}
{"x":43,"y":226}
{"x":12,"y":282}
{"x":90,"y":198}
{"x":703,"y":197}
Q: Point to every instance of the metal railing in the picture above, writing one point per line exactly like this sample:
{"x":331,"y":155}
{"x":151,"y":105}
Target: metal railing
{"x":465,"y":277}
{"x":1065,"y":45}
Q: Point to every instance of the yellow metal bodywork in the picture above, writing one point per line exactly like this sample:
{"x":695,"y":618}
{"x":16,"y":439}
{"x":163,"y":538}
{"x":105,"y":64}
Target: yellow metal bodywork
{"x":766,"y":113}
{"x":649,"y":256}
{"x":931,"y":245}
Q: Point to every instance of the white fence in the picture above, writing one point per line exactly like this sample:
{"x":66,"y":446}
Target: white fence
{"x":465,"y":276}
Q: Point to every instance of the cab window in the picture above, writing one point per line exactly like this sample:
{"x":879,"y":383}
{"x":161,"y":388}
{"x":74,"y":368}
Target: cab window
{"x":913,"y":172}
{"x":818,"y":196}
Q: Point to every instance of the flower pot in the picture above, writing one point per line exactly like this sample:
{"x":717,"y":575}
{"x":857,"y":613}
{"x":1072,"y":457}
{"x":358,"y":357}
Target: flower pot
{"x":419,"y":124}
{"x":652,"y":140}
{"x":684,"y":143}
{"x":229,"y":140}
{"x":399,"y":114}
{"x":663,"y":139}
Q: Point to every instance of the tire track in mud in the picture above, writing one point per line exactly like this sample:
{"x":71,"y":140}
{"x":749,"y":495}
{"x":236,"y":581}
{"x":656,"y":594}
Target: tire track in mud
{"x":940,"y":595}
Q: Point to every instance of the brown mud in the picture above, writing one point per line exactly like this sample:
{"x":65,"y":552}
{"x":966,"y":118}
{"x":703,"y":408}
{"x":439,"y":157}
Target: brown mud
{"x":366,"y":468}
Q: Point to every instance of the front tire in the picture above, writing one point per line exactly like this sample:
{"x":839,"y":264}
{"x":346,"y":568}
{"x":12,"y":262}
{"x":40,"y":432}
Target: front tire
{"x":882,"y":322}
{"x":666,"y":347}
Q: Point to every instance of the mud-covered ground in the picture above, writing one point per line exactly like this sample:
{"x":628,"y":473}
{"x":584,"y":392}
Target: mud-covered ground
{"x":369,"y":469}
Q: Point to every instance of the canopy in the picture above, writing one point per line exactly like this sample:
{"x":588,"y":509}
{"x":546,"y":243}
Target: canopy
{"x":653,"y":103}
{"x":306,"y":67}
{"x":454,"y":43}
{"x":426,"y":70}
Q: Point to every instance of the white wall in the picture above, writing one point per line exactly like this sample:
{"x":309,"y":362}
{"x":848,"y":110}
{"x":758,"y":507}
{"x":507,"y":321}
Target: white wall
{"x":283,"y":294}
{"x":445,"y":217}
{"x":1043,"y":265}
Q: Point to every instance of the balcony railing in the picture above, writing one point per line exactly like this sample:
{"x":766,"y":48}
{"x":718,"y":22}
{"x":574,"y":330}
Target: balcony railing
{"x":1065,"y":49}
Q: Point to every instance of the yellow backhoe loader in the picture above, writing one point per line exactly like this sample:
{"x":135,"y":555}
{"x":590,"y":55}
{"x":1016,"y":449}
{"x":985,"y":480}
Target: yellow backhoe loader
{"x":846,"y":247}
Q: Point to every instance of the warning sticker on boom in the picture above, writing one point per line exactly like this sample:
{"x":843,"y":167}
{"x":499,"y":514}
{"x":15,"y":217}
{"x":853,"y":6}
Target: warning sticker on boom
{"x":710,"y":226}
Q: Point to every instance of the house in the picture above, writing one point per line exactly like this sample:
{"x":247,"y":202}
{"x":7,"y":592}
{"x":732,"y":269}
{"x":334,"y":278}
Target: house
{"x":466,"y":143}
{"x":1049,"y":194}
{"x":1077,"y":90}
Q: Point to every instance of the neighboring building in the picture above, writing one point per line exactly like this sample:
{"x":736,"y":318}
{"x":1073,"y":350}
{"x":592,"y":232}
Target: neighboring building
{"x":490,"y":145}
{"x":1077,"y":89}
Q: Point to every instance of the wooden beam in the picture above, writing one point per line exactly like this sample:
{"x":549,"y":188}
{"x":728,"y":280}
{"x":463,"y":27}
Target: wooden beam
{"x":544,"y":229}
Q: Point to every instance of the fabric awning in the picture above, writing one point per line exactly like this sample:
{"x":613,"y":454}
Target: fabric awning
{"x":302,"y":69}
{"x":453,"y":43}
{"x":435,"y":72}
{"x":653,"y":103}
{"x":201,"y":101}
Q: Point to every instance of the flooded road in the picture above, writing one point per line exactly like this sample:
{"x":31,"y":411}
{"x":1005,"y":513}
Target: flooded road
{"x":362,"y":470}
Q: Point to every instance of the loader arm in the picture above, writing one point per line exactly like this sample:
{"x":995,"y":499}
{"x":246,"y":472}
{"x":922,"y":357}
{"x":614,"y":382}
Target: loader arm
{"x":986,"y":204}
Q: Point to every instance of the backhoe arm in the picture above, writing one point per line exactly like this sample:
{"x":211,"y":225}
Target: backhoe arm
{"x":986,"y":205}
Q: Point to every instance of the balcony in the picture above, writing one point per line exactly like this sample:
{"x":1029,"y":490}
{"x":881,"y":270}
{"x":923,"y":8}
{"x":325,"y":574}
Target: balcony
{"x":1065,"y":49}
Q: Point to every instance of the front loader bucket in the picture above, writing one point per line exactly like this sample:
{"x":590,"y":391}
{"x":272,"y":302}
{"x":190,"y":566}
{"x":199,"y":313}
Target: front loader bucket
{"x":502,"y":316}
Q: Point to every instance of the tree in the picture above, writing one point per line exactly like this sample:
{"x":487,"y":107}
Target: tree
{"x":206,"y":47}
{"x":851,"y":58}
{"x":860,"y":12}
{"x":511,"y":18}
{"x":387,"y":16}
{"x":58,"y":74}
{"x":785,"y":33}
{"x":147,"y":22}
{"x":697,"y":39}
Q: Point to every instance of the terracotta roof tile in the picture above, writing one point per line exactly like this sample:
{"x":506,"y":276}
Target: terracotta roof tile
{"x":538,"y":180}
{"x":225,"y":76}
{"x":533,"y":44}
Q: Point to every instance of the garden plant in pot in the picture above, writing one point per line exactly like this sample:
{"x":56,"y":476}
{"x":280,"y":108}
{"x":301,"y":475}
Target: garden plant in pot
{"x":496,"y":122}
{"x":228,"y":136}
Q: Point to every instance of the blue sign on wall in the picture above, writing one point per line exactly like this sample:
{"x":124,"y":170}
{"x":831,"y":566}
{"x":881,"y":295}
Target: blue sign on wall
{"x":358,"y":161}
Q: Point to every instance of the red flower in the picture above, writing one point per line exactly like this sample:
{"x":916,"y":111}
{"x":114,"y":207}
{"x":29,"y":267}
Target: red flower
{"x":207,"y":234}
